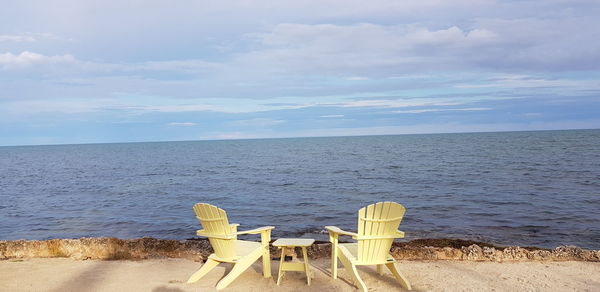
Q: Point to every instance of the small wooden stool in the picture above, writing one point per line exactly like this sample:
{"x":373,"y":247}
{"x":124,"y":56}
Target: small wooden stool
{"x":285,"y":243}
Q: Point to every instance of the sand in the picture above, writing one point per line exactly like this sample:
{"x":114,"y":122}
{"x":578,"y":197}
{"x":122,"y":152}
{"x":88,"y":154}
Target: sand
{"x":169,"y":275}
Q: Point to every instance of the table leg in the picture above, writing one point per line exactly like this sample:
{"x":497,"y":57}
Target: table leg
{"x":306,"y":266}
{"x":281,"y":272}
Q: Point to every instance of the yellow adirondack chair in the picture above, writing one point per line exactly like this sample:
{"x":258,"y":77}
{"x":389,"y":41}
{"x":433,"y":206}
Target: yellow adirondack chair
{"x":377,"y":228}
{"x":227,"y":248}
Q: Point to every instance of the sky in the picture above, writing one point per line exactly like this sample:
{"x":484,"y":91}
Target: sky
{"x":131,"y":71}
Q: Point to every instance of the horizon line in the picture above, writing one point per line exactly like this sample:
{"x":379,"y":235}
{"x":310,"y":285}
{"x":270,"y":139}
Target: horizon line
{"x":296,"y":137}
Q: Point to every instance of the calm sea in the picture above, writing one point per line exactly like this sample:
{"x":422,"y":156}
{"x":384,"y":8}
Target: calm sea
{"x":515,"y":188}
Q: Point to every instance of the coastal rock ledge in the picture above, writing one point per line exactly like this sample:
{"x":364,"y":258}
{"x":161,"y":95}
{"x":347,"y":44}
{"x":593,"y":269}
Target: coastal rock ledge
{"x":110,"y":248}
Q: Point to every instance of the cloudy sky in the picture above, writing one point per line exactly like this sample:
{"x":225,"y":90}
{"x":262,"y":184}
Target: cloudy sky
{"x":104,"y":71}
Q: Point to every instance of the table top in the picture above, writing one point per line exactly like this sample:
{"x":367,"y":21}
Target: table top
{"x":293,"y":242}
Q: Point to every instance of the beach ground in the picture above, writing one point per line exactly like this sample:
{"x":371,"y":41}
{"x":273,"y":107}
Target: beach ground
{"x":170,"y":275}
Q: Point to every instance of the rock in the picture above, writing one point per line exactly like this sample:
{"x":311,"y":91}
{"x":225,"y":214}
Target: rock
{"x":110,"y":248}
{"x":514,"y":253}
{"x":489,"y":253}
{"x":473,"y":252}
{"x":568,"y":252}
{"x":539,"y":255}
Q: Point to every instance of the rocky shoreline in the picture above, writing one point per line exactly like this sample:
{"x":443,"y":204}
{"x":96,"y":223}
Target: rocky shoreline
{"x":110,"y":248}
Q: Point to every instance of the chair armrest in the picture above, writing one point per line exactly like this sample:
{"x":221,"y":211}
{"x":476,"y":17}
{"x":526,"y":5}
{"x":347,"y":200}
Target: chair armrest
{"x":337,"y":230}
{"x":256,"y":231}
{"x":399,"y":234}
{"x":265,"y":236}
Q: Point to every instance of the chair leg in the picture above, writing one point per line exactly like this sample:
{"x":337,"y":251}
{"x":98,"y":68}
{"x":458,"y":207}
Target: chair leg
{"x":333,"y":237}
{"x":334,"y":262}
{"x":265,"y":237}
{"x":208,"y":265}
{"x":393,"y":267}
{"x":266,"y":259}
{"x":358,"y":281}
{"x":236,"y":271}
{"x":354,"y":274}
{"x":380,"y":270}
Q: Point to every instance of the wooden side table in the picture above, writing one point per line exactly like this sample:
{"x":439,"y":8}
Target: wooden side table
{"x":285,"y":243}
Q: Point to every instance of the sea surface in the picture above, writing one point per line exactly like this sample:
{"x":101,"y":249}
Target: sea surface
{"x":511,"y":188}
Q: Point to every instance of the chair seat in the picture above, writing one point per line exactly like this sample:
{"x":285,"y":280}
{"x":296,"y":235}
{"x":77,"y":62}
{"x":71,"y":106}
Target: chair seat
{"x":244,"y":247}
{"x":350,"y":250}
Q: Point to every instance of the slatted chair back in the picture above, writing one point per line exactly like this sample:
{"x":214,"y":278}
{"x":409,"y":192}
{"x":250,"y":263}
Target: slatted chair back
{"x":214,"y":221}
{"x":377,"y":225}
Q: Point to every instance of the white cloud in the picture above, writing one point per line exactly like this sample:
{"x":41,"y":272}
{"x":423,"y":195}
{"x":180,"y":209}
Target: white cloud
{"x":420,"y":111}
{"x":257,"y":122}
{"x":452,"y":36}
{"x":388,"y":103}
{"x":27,"y":107}
{"x":332,"y":116}
{"x":525,"y":81}
{"x":409,"y":76}
{"x":90,"y":69}
{"x":366,"y":48}
{"x":295,"y":59}
{"x":176,"y":108}
{"x":29,"y":37}
{"x":27,"y":59}
{"x":16,"y":38}
{"x":234,"y":136}
{"x":189,"y":66}
{"x":184,"y":124}
{"x":533,"y":115}
{"x":371,"y":49}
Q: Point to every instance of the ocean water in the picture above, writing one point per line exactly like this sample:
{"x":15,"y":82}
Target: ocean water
{"x":513,"y":188}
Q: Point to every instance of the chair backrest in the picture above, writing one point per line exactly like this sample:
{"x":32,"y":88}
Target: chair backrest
{"x":214,"y":221}
{"x":377,"y":225}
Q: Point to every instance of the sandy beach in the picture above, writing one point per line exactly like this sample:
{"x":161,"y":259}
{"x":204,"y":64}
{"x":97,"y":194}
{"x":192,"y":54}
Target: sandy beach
{"x":170,"y":275}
